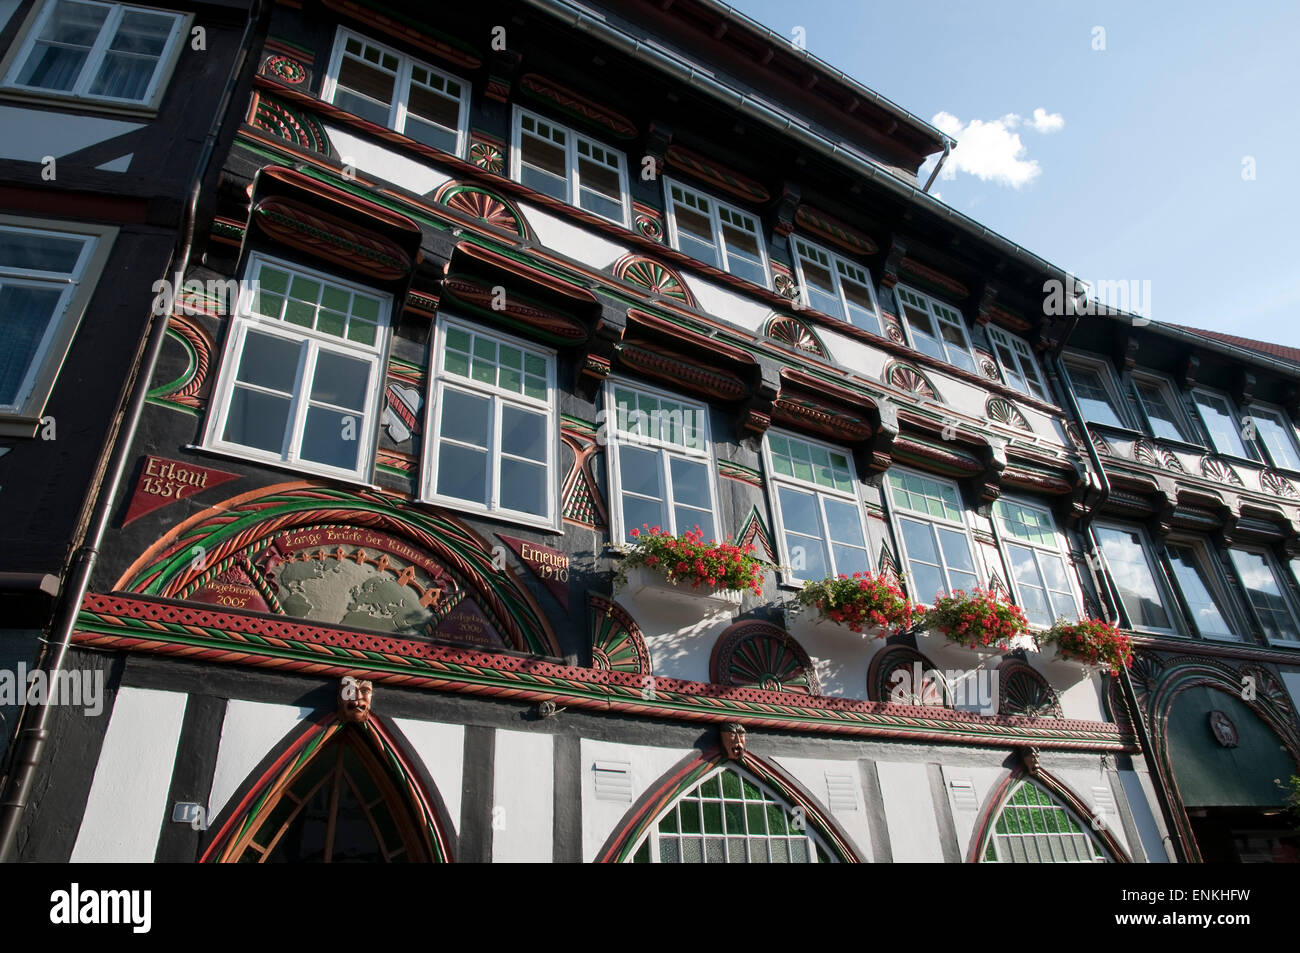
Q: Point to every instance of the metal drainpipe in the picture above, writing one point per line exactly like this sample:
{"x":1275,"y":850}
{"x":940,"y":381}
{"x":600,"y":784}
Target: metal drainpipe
{"x":1107,"y":591}
{"x":30,"y":743}
{"x":947,"y":149}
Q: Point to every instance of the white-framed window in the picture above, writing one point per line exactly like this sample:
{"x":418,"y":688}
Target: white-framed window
{"x":1034,"y":550}
{"x":568,"y":166}
{"x":1206,"y":597}
{"x":106,"y":52}
{"x":730,"y":817}
{"x":935,"y":328}
{"x":1095,"y":392}
{"x":833,"y":285}
{"x":1273,"y":428}
{"x":492,"y":442}
{"x":660,"y":462}
{"x":1159,"y":405}
{"x":819,"y":517}
{"x":391,"y":89}
{"x":41,"y":271}
{"x":1136,"y":574}
{"x":931,"y":525}
{"x":1223,"y":424}
{"x":300,"y":376}
{"x":1266,"y":590}
{"x":714,"y":232}
{"x":1019,"y":366}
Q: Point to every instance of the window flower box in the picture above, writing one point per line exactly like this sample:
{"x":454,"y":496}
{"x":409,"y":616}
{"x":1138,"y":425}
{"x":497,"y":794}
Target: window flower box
{"x":687,"y":571}
{"x":863,"y":603}
{"x":1087,"y":645}
{"x":978,"y":626}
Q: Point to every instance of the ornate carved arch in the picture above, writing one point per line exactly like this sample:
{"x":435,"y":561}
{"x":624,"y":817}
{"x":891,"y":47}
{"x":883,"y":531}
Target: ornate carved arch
{"x":797,"y":334}
{"x":1024,"y":691}
{"x":893,"y":670}
{"x":681,"y":778}
{"x":761,"y":655}
{"x":654,"y":277}
{"x":908,"y":378}
{"x":423,"y":825}
{"x":1002,"y":411}
{"x":242,"y":535}
{"x":616,"y":641}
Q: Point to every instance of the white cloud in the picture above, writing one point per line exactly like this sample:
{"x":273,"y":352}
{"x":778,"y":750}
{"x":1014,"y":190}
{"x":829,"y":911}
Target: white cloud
{"x":1046,"y":122}
{"x":990,"y":150}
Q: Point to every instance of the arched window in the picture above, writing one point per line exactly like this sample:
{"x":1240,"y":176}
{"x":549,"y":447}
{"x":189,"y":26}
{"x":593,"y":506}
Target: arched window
{"x":1034,"y":828}
{"x":731,"y":817}
{"x":339,"y":807}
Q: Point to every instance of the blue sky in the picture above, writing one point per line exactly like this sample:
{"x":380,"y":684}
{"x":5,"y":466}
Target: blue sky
{"x":1141,"y":176}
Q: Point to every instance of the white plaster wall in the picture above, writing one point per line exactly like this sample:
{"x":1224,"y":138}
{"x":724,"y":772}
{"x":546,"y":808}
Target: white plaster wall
{"x":560,"y":235}
{"x":1141,"y":802}
{"x":840,"y":656}
{"x":32,"y":134}
{"x":811,"y":773}
{"x":678,"y":636}
{"x":910,"y":813}
{"x":1081,"y":700}
{"x":1082,"y":782}
{"x":965,"y":810}
{"x":384,"y":163}
{"x":725,"y":304}
{"x":599,"y":818}
{"x":523,"y":797}
{"x":442,"y":749}
{"x":248,"y":732}
{"x":128,"y":796}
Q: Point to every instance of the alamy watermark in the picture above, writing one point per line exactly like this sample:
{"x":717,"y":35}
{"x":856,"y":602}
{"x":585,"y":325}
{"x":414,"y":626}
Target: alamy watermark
{"x":77,"y":688}
{"x":973,"y":690}
{"x":1106,"y":296}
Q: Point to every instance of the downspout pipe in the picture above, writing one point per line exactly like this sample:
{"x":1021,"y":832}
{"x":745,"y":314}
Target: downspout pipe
{"x":32,"y":738}
{"x":947,"y":149}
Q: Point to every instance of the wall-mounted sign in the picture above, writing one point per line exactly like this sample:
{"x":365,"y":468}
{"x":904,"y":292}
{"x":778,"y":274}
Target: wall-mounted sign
{"x":165,"y":481}
{"x":1225,"y":732}
{"x":549,"y":565}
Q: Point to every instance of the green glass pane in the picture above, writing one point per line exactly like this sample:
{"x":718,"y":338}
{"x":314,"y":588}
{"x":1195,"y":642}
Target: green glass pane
{"x":511,"y":357}
{"x":713,"y":817}
{"x":485,"y":372}
{"x":455,"y":363}
{"x":268,"y":304}
{"x":730,"y":784}
{"x":535,"y":387}
{"x":485,"y":348}
{"x":273,"y":279}
{"x":458,"y":340}
{"x":690,"y":817}
{"x":989,"y":855}
{"x":300,"y":314}
{"x":305,"y":289}
{"x":669,"y":823}
{"x":1040,"y":823}
{"x":735,"y":813}
{"x":751,"y":790}
{"x":331,"y":322}
{"x":779,"y":444}
{"x":776,"y":819}
{"x":335,"y":298}
{"x":362,"y":333}
{"x":535,"y":365}
{"x":711,"y":788}
{"x":511,"y":380}
{"x":782,"y":466}
{"x":643,"y":854}
{"x":757,"y":822}
{"x":1002,"y":824}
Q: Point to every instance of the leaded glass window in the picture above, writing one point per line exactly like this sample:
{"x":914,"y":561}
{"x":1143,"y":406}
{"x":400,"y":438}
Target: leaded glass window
{"x":932,"y":528}
{"x":1039,"y":573}
{"x":1034,"y":828}
{"x":732,"y":818}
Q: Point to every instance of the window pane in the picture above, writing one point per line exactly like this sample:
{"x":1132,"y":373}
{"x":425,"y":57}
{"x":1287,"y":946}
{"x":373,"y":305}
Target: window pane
{"x":799,"y":512}
{"x":1164,"y":423}
{"x":523,"y":433}
{"x":1133,"y":575}
{"x":331,"y":437}
{"x":523,"y":486}
{"x":256,"y":419}
{"x":466,"y":418}
{"x":1093,"y":398}
{"x":844,"y":522}
{"x":340,"y":380}
{"x":25,"y":315}
{"x":26,"y":251}
{"x":133,"y":55}
{"x":1195,"y":585}
{"x":1221,"y":424}
{"x":640,"y":471}
{"x":690,"y":483}
{"x":1278,"y":437}
{"x":463,"y":473}
{"x":1265,"y":594}
{"x":59,"y":54}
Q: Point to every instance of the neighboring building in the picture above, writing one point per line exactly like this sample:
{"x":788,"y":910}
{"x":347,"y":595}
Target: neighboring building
{"x":513,"y":281}
{"x":106,"y":110}
{"x":1197,"y":533}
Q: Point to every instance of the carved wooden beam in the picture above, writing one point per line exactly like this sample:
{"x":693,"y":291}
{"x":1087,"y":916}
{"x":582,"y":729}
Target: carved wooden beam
{"x":787,"y":205}
{"x":893,"y":261}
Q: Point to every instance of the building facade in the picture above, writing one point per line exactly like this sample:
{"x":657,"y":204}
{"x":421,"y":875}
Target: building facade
{"x":476,"y":300}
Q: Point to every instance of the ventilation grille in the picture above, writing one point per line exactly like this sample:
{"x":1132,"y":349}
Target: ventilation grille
{"x":613,"y":780}
{"x":841,"y":792}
